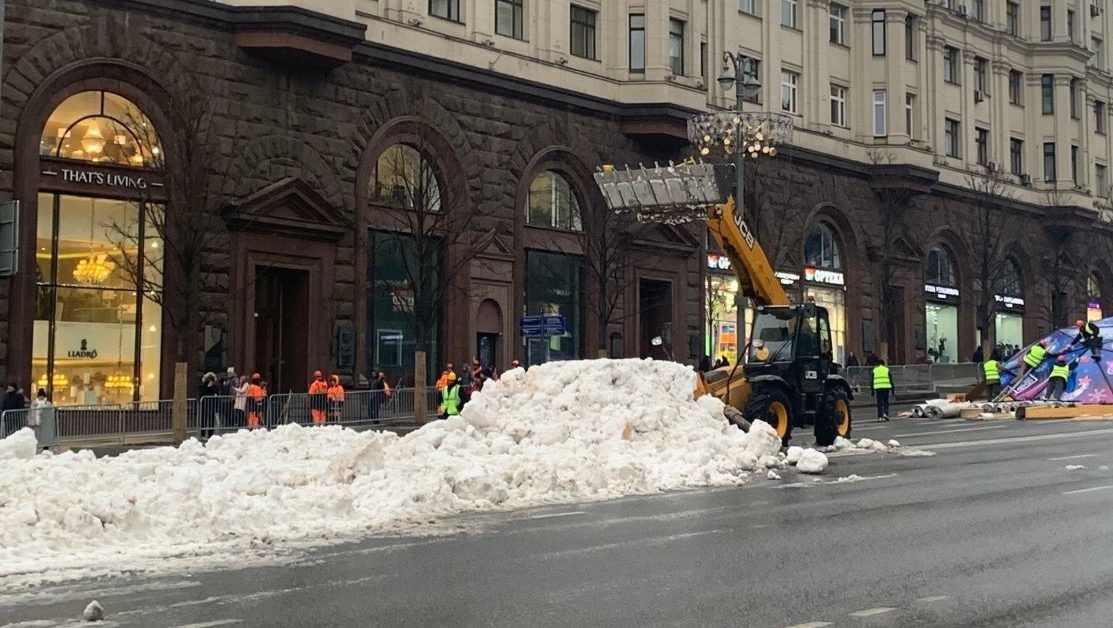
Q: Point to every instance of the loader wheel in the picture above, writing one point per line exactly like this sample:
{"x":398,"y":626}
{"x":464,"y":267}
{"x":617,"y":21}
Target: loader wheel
{"x":833,"y":419}
{"x":774,"y":407}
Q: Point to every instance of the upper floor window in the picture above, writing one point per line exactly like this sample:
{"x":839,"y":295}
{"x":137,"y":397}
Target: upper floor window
{"x":1016,"y":87}
{"x":978,"y":9}
{"x":910,"y":115}
{"x":676,"y":46}
{"x":1075,"y":92}
{"x":1074,"y":164}
{"x":981,"y":141}
{"x":880,"y":113}
{"x":752,"y":68}
{"x":552,"y":203}
{"x":951,"y":138}
{"x":1047,"y":93}
{"x":1049,"y":170}
{"x":101,"y":127}
{"x":838,"y":23}
{"x":838,"y":105}
{"x":448,"y":9}
{"x":940,"y":269}
{"x":1070,"y":24}
{"x":950,"y":64}
{"x":821,"y":249}
{"x":508,"y":18}
{"x":1098,"y":60}
{"x":980,"y":82}
{"x":404,"y":178}
{"x":1099,"y":117}
{"x":1101,"y":181}
{"x":911,"y":23}
{"x":748,"y":6}
{"x":1045,"y":23}
{"x":1012,"y":18}
{"x":789,"y":83}
{"x":1011,"y":284}
{"x":583,"y":32}
{"x":877,"y":26}
{"x":788,"y":12}
{"x":637,"y":42}
{"x":1016,"y":156}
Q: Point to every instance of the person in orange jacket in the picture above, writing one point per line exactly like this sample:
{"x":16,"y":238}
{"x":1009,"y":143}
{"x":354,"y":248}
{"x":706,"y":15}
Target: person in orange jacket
{"x":318,"y":398}
{"x":256,"y":399}
{"x":335,"y":397}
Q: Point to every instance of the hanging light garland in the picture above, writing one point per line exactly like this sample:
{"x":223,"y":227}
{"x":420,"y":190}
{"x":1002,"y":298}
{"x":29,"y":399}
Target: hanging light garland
{"x":754,"y":134}
{"x":119,"y":382}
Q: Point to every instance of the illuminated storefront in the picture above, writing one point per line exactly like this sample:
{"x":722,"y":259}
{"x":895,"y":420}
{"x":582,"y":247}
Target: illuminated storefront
{"x":1093,"y":291}
{"x":98,"y":319}
{"x":1009,"y":318}
{"x":941,"y":307}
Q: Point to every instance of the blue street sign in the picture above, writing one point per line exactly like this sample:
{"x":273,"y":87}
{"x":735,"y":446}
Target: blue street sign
{"x":547,"y":325}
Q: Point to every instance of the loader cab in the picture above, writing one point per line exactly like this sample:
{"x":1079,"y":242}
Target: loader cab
{"x":794,"y":343}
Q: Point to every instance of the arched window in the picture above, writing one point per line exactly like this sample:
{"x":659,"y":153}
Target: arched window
{"x":1010,"y":279}
{"x":552,"y":203}
{"x":940,"y":268}
{"x":821,"y":250}
{"x":405,"y":178}
{"x":101,"y":127}
{"x":1093,"y":287}
{"x":97,"y":335}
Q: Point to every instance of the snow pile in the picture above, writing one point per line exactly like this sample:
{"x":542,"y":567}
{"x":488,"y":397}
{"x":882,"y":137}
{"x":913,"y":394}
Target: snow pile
{"x":563,"y":431}
{"x":1074,"y":467}
{"x":811,"y":461}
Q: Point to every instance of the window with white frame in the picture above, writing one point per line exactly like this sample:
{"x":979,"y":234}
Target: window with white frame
{"x":790,"y":82}
{"x":508,"y":18}
{"x":676,"y":46}
{"x":447,"y":9}
{"x":877,"y":29}
{"x":583,"y":32}
{"x":788,"y":12}
{"x":950,"y":64}
{"x":1016,"y":156}
{"x":838,"y":23}
{"x":981,"y":141}
{"x":748,"y":6}
{"x":910,"y":115}
{"x":1016,"y":87}
{"x":980,"y":82}
{"x":911,"y":41}
{"x":880,"y":113}
{"x":637,"y":42}
{"x":838,"y":105}
{"x":978,"y":9}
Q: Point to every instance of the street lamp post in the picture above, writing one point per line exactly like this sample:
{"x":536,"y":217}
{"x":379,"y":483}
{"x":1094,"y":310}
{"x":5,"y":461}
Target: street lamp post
{"x":745,"y":85}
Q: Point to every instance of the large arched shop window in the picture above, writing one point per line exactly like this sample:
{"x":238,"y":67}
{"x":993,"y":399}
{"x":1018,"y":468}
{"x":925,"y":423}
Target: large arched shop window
{"x":940,"y":269}
{"x":821,"y":250}
{"x":405,"y":273}
{"x":822,"y":253}
{"x":552,"y":203}
{"x":97,"y":332}
{"x":554,"y":283}
{"x":1009,"y":320}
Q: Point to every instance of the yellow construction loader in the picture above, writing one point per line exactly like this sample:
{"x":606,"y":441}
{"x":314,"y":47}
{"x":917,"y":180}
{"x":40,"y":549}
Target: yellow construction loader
{"x":786,"y":375}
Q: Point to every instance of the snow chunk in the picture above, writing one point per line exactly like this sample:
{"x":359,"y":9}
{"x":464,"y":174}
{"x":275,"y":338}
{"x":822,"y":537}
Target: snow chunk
{"x":1074,"y":467}
{"x":772,"y":475}
{"x":869,"y":443}
{"x":893,"y":443}
{"x":794,"y":454}
{"x":19,"y":446}
{"x":93,"y":612}
{"x":811,"y":461}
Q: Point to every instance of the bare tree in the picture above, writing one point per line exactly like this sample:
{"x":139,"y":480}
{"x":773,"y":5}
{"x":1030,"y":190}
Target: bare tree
{"x":893,"y":224}
{"x":1058,"y":270}
{"x":422,"y":247}
{"x":984,"y":238}
{"x":777,"y":207}
{"x":718,"y":302}
{"x":609,"y":257}
{"x":175,"y":240}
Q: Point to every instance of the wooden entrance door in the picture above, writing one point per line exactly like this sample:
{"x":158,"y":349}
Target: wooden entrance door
{"x":282,"y":328}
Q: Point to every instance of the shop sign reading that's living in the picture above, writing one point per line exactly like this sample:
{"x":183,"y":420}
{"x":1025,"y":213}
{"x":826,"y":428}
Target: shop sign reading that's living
{"x":92,"y":179}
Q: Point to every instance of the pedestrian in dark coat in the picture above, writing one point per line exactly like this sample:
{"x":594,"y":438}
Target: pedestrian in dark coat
{"x":208,"y":388}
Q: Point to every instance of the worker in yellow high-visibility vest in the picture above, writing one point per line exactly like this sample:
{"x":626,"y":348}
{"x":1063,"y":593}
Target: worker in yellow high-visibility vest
{"x":1057,"y":382}
{"x":882,"y":386}
{"x":991,"y":369}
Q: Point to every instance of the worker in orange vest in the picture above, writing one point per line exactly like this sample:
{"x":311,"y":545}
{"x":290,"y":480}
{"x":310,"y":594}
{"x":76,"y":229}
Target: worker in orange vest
{"x":443,"y":381}
{"x":335,"y":397}
{"x":256,"y":398}
{"x":318,"y":398}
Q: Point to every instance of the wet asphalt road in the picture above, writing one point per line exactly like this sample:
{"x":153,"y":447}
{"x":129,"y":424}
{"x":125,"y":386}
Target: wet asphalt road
{"x":991,"y":531}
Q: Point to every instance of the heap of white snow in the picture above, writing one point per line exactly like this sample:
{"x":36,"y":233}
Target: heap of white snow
{"x":560,"y":432}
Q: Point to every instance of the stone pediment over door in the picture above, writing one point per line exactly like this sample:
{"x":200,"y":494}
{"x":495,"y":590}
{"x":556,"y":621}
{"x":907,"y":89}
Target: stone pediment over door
{"x":288,"y":207}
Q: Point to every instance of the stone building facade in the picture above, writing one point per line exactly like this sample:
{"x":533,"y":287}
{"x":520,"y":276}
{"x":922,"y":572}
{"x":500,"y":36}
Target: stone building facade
{"x":127,"y":128}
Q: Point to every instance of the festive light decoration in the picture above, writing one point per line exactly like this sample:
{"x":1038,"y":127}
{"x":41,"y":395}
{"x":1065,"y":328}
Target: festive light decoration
{"x":726,"y":133}
{"x":60,"y":381}
{"x":119,"y":382}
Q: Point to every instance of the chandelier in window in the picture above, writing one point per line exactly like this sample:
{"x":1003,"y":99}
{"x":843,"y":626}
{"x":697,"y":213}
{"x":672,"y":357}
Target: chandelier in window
{"x":119,"y":382}
{"x":95,"y":269}
{"x":60,"y":381}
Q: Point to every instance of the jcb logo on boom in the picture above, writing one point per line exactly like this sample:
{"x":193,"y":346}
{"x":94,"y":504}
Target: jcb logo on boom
{"x":744,"y":228}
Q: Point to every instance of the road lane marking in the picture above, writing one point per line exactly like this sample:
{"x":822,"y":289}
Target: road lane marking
{"x":870,"y":612}
{"x":1016,"y":439}
{"x":812,"y":624}
{"x":956,"y":431}
{"x":558,"y":514}
{"x":1078,"y":457}
{"x":1089,"y":490}
{"x":210,"y":624}
{"x":934,"y":598}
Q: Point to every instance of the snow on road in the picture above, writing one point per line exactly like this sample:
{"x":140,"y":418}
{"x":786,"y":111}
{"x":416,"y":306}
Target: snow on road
{"x":560,"y":432}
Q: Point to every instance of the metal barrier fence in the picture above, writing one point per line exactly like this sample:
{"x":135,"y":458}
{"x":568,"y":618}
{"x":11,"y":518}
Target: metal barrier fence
{"x":143,"y":422}
{"x":926,"y":378}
